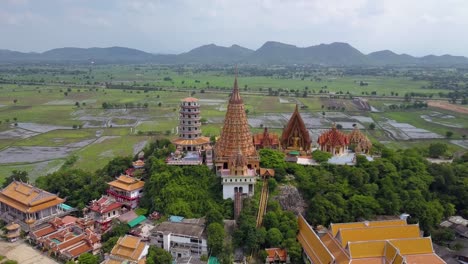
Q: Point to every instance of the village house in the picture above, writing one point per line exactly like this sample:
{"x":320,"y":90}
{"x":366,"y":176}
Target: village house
{"x":181,"y":237}
{"x":29,"y":206}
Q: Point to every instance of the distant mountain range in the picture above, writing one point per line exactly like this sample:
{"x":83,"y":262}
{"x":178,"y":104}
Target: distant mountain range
{"x":334,"y":54}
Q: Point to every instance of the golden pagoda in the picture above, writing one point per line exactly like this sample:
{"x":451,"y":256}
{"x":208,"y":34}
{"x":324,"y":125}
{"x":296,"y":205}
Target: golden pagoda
{"x":359,"y":141}
{"x":235,"y":135}
{"x":295,"y":135}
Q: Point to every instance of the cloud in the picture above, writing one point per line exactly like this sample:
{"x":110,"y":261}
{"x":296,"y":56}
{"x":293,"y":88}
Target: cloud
{"x":417,"y":27}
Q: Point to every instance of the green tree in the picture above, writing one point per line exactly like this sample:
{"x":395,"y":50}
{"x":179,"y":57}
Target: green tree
{"x":88,"y":258}
{"x":16,"y":175}
{"x":372,"y":126}
{"x":109,"y":244}
{"x":158,"y":255}
{"x":437,"y":149}
{"x":321,"y":156}
{"x":215,"y":232}
{"x":274,"y":237}
{"x":448,"y":134}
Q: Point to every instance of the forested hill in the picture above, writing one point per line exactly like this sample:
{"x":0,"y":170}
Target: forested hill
{"x":270,"y":53}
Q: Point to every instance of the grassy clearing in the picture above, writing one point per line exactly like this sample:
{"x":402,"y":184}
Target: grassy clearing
{"x":96,"y":155}
{"x":60,"y":137}
{"x":34,"y":170}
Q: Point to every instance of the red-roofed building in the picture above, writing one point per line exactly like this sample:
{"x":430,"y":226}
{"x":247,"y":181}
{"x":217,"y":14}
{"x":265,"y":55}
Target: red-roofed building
{"x":102,"y":211}
{"x":276,"y":255}
{"x":333,"y":141}
{"x":67,"y":238}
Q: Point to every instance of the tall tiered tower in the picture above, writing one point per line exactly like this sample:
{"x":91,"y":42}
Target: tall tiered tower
{"x":235,"y":135}
{"x":190,"y":133}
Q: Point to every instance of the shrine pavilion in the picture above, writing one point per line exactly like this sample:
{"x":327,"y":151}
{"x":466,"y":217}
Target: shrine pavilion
{"x":295,"y":137}
{"x":333,"y":141}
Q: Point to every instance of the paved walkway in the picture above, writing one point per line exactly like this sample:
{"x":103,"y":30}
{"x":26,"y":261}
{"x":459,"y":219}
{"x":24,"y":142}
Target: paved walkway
{"x":23,"y":253}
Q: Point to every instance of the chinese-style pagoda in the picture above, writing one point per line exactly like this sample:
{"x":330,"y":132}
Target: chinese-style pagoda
{"x":235,"y":135}
{"x":295,"y":135}
{"x":359,"y":142}
{"x":266,"y":140}
{"x":190,"y":133}
{"x":333,"y":141}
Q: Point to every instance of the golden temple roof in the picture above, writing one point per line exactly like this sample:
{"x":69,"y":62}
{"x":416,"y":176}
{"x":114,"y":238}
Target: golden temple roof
{"x":368,"y":242}
{"x":27,"y":198}
{"x":127,"y":183}
{"x":191,"y":142}
{"x":333,"y":137}
{"x":128,"y":247}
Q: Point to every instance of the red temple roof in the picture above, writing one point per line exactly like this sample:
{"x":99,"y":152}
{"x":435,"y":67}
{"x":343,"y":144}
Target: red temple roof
{"x":333,"y":137}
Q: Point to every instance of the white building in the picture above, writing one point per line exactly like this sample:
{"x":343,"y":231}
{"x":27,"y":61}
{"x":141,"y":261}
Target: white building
{"x":237,"y":178}
{"x":181,"y":239}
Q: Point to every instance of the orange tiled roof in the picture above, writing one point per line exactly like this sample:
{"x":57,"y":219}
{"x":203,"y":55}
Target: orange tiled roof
{"x":139,"y":163}
{"x":127,"y":183}
{"x":337,"y":226}
{"x":333,"y":137}
{"x":311,"y":243}
{"x":190,"y":99}
{"x":128,"y":247}
{"x":296,"y":128}
{"x":346,"y":235}
{"x":191,"y":142}
{"x":267,"y":172}
{"x":27,"y":198}
{"x":274,"y":254}
{"x":391,"y":241}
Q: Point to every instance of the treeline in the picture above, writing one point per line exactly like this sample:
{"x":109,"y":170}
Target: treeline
{"x":400,"y":181}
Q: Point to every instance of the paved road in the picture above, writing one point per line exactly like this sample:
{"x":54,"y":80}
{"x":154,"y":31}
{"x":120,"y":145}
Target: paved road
{"x":23,"y":253}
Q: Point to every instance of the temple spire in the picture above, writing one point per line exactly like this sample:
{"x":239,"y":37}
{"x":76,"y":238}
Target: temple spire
{"x":235,"y":97}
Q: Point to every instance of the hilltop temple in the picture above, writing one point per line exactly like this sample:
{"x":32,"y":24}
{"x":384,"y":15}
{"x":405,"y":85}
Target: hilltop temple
{"x":295,"y":137}
{"x":266,"y":140}
{"x":235,"y":135}
{"x":359,"y":142}
{"x":333,"y":141}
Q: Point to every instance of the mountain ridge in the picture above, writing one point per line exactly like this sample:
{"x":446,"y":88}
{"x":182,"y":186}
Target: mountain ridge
{"x":271,"y":52}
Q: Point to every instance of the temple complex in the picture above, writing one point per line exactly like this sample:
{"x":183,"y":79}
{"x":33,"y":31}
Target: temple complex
{"x":295,"y":137}
{"x":189,"y":129}
{"x":359,"y":142}
{"x":266,"y":140}
{"x":235,"y":135}
{"x":370,"y":242}
{"x":333,"y":141}
{"x":29,"y":206}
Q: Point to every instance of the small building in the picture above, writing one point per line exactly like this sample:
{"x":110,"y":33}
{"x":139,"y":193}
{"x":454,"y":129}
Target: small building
{"x":182,"y":239}
{"x":102,"y":211}
{"x":13,"y":232}
{"x":333,"y":141}
{"x":359,"y":142}
{"x":138,"y":164}
{"x":266,"y":140}
{"x":276,"y":255}
{"x":126,"y":190}
{"x":29,"y":206}
{"x":129,"y":250}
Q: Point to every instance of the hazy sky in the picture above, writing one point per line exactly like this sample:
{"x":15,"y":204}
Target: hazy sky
{"x":416,"y":27}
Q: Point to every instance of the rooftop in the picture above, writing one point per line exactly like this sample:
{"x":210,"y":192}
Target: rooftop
{"x":180,"y":228}
{"x":27,"y":198}
{"x":127,"y":183}
{"x":129,"y":247}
